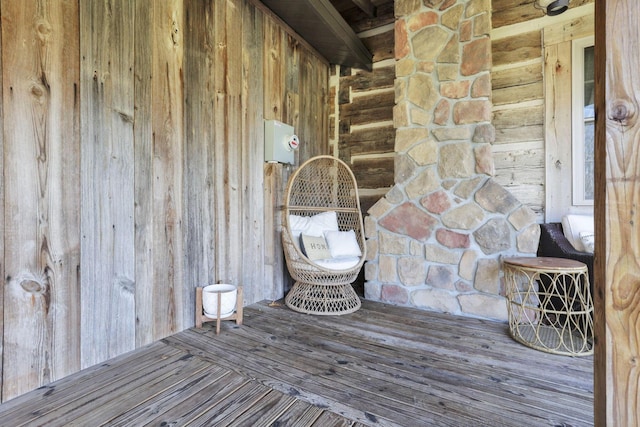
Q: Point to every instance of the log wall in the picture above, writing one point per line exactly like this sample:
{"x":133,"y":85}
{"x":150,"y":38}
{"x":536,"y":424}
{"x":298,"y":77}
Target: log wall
{"x":519,"y":149}
{"x":362,"y":132}
{"x":132,"y":160}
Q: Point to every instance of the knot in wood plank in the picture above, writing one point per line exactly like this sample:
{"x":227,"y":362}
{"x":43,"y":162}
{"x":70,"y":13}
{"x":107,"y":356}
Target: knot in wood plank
{"x":43,"y":31}
{"x":32,"y":287}
{"x":39,"y":91}
{"x":175,"y":36}
{"x":621,"y":111}
{"x":32,"y":283}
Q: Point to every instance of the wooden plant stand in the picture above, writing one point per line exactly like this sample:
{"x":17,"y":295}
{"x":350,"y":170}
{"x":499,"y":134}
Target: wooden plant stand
{"x":202,"y":318}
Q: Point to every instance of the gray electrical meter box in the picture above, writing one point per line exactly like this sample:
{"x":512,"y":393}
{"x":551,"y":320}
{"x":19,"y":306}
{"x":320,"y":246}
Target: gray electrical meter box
{"x":279,"y":142}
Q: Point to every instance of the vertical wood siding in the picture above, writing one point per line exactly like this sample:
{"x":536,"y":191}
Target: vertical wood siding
{"x":159,"y":171}
{"x":254,"y":222}
{"x":199,"y":219}
{"x":41,"y":184}
{"x":132,"y":160}
{"x":108,"y":198}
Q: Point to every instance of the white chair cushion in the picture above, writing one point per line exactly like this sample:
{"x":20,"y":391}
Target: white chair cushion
{"x":338,"y":263}
{"x":573,"y":225}
{"x":342,"y":244}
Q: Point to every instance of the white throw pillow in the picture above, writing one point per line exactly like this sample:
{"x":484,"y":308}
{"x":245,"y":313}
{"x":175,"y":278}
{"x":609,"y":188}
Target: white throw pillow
{"x":588,"y":240}
{"x":342,"y":244}
{"x":314,"y":247}
{"x":313,"y":225}
{"x":573,"y":225}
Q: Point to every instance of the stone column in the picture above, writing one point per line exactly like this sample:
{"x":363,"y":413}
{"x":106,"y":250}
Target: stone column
{"x":435,"y":240}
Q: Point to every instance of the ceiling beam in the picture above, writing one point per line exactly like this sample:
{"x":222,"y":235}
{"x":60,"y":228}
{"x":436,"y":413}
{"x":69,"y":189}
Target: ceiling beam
{"x":320,"y":24}
{"x":367,"y":7}
{"x":287,"y":28}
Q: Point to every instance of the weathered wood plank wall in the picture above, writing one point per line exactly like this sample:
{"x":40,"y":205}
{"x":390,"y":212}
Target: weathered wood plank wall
{"x":132,"y":136}
{"x":108,"y":198}
{"x":519,"y":97}
{"x":159,"y":165}
{"x":254,"y":223}
{"x":41,"y":321}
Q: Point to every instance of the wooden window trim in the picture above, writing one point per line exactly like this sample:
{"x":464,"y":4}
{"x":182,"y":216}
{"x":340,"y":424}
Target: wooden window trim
{"x":557,"y":40}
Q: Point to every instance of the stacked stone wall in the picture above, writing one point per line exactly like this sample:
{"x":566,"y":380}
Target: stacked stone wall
{"x":436,"y":239}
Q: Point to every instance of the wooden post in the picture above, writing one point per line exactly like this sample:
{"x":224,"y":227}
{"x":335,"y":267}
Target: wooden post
{"x":617,"y":215}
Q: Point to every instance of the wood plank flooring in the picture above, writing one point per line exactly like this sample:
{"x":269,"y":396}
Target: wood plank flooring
{"x":380,"y":366}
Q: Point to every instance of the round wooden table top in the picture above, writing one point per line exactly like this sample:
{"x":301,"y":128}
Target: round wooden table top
{"x":546,"y":263}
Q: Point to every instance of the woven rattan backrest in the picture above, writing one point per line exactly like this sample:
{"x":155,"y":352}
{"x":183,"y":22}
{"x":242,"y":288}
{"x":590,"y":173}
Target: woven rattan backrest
{"x":321,"y":184}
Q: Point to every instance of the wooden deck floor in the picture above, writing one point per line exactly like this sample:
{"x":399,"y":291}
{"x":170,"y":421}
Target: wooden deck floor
{"x":380,"y":366}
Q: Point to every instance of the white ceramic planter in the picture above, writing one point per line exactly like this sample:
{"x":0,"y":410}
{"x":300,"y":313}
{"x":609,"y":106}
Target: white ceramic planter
{"x":227,"y":293}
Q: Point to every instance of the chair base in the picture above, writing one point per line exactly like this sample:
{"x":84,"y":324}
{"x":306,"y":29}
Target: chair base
{"x":324,"y":300}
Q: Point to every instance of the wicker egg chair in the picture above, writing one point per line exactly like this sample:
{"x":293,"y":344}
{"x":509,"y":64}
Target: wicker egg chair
{"x":322,"y":184}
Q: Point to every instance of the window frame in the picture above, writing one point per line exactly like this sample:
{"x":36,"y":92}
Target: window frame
{"x":578,"y":121}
